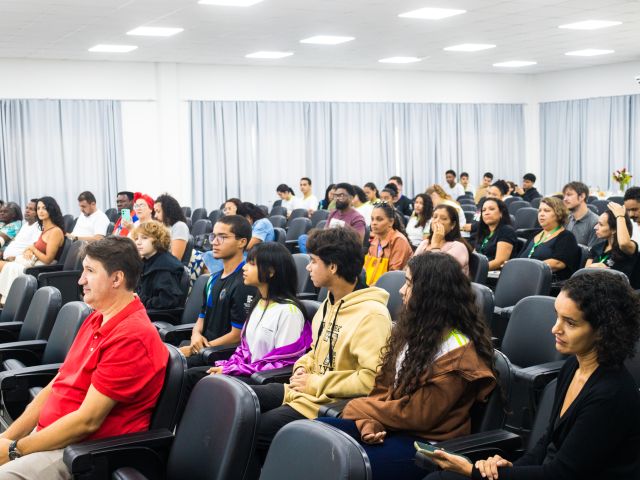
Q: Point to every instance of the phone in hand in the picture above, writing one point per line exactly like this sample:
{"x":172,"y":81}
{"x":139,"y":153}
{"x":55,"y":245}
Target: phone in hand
{"x":428,"y":450}
{"x":125,"y":213}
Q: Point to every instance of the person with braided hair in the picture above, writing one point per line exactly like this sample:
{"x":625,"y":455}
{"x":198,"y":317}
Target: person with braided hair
{"x":436,"y":364}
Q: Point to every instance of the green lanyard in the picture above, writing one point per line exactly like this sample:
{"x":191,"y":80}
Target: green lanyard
{"x":603,"y":258}
{"x":542,"y":239}
{"x":486,"y":240}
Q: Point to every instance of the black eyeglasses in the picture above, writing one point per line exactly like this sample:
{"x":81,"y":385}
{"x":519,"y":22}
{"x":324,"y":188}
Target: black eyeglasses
{"x":214,"y":238}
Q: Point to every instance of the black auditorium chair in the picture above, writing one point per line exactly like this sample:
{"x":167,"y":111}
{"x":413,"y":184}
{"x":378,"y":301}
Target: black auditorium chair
{"x":526,"y":224}
{"x":478,"y":268}
{"x":66,"y":280}
{"x":98,"y":459}
{"x":281,"y":235}
{"x":110,"y":228}
{"x":61,"y":257}
{"x":198,"y":214}
{"x":213,"y":441}
{"x":305,"y":286}
{"x":510,"y":200}
{"x":315,"y":451}
{"x":186,"y":211}
{"x":320,"y":225}
{"x":601,"y":205}
{"x":277,"y":210}
{"x":392,"y":282}
{"x":278,"y":221}
{"x":519,"y":278}
{"x":38,"y":321}
{"x":201,"y":227}
{"x":535,"y":203}
{"x":299,"y":212}
{"x":112,"y":214}
{"x":69,"y":222}
{"x":616,"y":199}
{"x":215,"y":215}
{"x":318,"y":215}
{"x":515,"y":206}
{"x":296,"y":227}
{"x":28,"y":366}
{"x":186,"y":256}
{"x":18,"y":299}
{"x":484,"y":300}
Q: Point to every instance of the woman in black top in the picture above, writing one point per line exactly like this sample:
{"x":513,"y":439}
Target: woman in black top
{"x":496,"y":238}
{"x":594,"y":428}
{"x":554,"y":245}
{"x":616,"y":249}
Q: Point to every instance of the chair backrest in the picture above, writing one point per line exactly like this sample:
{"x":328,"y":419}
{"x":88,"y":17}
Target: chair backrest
{"x":527,"y":217}
{"x":19,"y":298}
{"x":61,"y":256}
{"x":318,"y":215}
{"x":593,"y":208}
{"x":519,"y":246}
{"x":591,"y":198}
{"x":484,"y":301}
{"x":281,"y":235}
{"x":528,"y":339}
{"x":543,"y":414}
{"x":478,"y":268}
{"x":601,"y":205}
{"x":515,"y":206}
{"x":616,"y":199}
{"x":392,"y":282}
{"x":321,"y":225}
{"x":170,"y":403}
{"x":302,"y":260}
{"x":299,"y":212}
{"x":110,"y":228}
{"x":186,"y":256}
{"x":68,"y":322}
{"x":510,"y":200}
{"x":225,"y":434}
{"x":193,"y":304}
{"x":491,"y":415}
{"x":41,"y":315}
{"x":112,"y":214}
{"x":185,"y":283}
{"x":202,"y":227}
{"x":278,"y":221}
{"x":276,"y":203}
{"x":215,"y":215}
{"x":264,"y":208}
{"x":73,"y":260}
{"x":321,"y":452}
{"x":611,"y":271}
{"x":298,"y":226}
{"x":311,"y":306}
{"x":278,"y":211}
{"x":323,"y":293}
{"x":198,"y":214}
{"x":522,"y":277}
{"x":535,"y":203}
{"x":186,"y":211}
{"x":68,"y":220}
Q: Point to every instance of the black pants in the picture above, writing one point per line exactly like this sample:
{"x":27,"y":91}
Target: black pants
{"x":274,"y":415}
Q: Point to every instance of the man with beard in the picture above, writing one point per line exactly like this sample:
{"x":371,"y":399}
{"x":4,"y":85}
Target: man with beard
{"x":345,"y":214}
{"x":632,"y":206}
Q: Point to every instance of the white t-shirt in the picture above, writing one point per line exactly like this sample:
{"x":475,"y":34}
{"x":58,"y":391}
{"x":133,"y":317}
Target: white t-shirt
{"x":310,"y":203}
{"x":456,"y":191}
{"x":95,"y":224}
{"x":27,"y":235}
{"x":291,"y":205}
{"x":180,"y":231}
{"x":414,"y":232}
{"x":635,"y":232}
{"x":279,"y":325}
{"x":365,"y":210}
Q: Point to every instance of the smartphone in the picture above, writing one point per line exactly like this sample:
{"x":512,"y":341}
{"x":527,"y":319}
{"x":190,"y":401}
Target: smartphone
{"x":125,"y":213}
{"x":428,"y":450}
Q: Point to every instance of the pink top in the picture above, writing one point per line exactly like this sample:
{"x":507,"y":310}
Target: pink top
{"x":456,"y":249}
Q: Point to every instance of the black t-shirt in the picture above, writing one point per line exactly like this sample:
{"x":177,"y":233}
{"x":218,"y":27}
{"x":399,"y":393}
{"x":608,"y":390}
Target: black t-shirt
{"x":623,"y":263}
{"x":563,"y":248}
{"x":227,"y":305}
{"x":504,"y":233}
{"x":529,"y":195}
{"x":404,"y":206}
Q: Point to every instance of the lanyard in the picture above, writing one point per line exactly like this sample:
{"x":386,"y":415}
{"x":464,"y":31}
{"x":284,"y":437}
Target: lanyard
{"x":603,"y":258}
{"x":486,"y":240}
{"x":214,"y":279}
{"x":542,"y":239}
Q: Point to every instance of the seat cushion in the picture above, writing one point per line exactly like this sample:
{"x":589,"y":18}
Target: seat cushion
{"x":12,"y":364}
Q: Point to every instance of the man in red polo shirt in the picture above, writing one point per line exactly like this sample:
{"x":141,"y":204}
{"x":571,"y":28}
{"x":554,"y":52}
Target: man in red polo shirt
{"x":110,"y":380}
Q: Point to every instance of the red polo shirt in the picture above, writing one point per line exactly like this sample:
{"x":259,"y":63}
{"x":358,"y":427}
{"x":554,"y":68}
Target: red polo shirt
{"x":123,"y":359}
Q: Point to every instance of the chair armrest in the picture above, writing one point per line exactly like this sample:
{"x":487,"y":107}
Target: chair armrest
{"x":35,"y":271}
{"x":28,"y":352}
{"x":163,"y":325}
{"x":176,"y":334}
{"x":527,"y":233}
{"x":503,"y":311}
{"x":277,"y":375}
{"x":128,"y":473}
{"x":539,"y":375}
{"x":333,"y":409}
{"x":307,"y":296}
{"x":59,"y":274}
{"x":9,"y":331}
{"x":222,"y":352}
{"x":171,"y":316}
{"x":97,"y":459}
{"x":25,"y":378}
{"x":477,"y":446}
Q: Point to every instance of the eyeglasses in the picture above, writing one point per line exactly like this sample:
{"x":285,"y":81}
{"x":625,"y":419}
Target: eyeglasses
{"x":340,"y":195}
{"x":140,"y":205}
{"x":213,"y":238}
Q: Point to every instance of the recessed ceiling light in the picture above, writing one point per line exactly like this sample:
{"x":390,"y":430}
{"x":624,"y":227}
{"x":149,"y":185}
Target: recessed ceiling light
{"x":327,"y":40}
{"x":113,"y":48}
{"x":230,"y":3}
{"x":155,"y":31}
{"x":269,"y":55}
{"x":432,"y":13}
{"x":590,"y":25}
{"x":515,"y":64}
{"x":400,"y":60}
{"x":588,"y":52}
{"x":469,"y":47}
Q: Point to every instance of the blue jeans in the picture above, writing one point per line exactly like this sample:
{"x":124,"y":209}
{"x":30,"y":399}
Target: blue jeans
{"x":393,"y":459}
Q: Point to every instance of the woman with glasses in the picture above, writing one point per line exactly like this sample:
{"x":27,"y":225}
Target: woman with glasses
{"x":159,"y":286}
{"x":554,"y":245}
{"x":143,"y":208}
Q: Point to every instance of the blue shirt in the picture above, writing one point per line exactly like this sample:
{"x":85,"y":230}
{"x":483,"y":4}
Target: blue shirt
{"x":263,"y":230}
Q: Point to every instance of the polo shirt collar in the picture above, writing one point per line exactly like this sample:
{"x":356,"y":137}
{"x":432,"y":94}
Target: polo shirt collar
{"x":105,"y":329}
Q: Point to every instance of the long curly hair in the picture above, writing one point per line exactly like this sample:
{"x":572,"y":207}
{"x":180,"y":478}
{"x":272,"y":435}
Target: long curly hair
{"x":171,"y":210}
{"x":441,"y":300}
{"x":53,"y":209}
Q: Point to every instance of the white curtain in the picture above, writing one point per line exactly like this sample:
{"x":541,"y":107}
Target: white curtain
{"x":588,"y":140}
{"x":246,"y":149}
{"x":60,"y":148}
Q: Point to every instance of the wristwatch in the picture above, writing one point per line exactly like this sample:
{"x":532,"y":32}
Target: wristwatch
{"x":13,"y":450}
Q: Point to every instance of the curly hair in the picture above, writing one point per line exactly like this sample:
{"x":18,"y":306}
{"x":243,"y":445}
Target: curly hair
{"x":441,"y":300}
{"x":53,"y":209}
{"x":560,"y":211}
{"x":612,"y":309}
{"x":427,"y":209}
{"x":171,"y":210}
{"x":505,"y":219}
{"x":157,"y":231}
